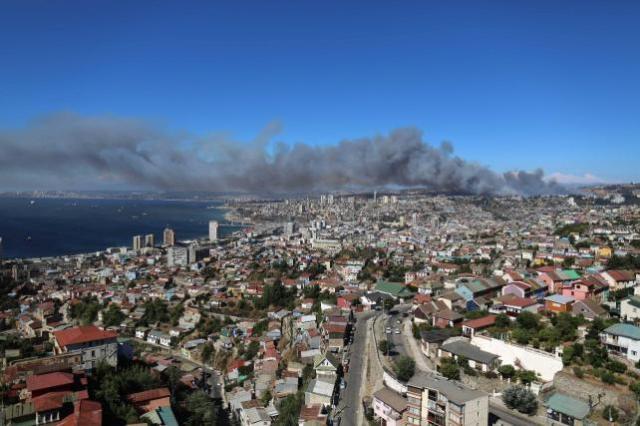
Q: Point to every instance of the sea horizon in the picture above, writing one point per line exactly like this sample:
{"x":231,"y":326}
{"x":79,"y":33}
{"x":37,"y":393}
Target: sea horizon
{"x":53,"y":227}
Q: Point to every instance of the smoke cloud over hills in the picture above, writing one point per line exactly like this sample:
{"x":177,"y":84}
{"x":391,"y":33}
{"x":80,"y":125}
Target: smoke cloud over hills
{"x":69,"y":151}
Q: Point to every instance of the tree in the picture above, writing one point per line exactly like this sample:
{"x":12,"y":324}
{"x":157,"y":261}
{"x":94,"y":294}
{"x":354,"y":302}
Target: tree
{"x":616,"y":366}
{"x":450,"y":370}
{"x":86,"y":311}
{"x":527,"y":376}
{"x":502,"y":321}
{"x":266,"y":397}
{"x":405,"y":368}
{"x":208,"y":352}
{"x":175,"y":313}
{"x":252,"y":350}
{"x":507,"y":371}
{"x":389,"y":304}
{"x":200,"y":409}
{"x":112,"y":316}
{"x":528,"y":320}
{"x":289,"y":410}
{"x":521,"y":399}
{"x":521,"y":335}
{"x":385,"y":346}
{"x":607,"y":377}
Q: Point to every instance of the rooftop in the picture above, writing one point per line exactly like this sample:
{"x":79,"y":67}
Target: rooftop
{"x":84,"y":334}
{"x":625,"y":330}
{"x":50,"y":380}
{"x":567,"y":405}
{"x":392,"y":399}
{"x":454,"y":391}
{"x":469,"y":351}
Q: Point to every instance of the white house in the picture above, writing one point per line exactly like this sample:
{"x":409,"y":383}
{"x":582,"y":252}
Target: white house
{"x":622,"y":339}
{"x":630,"y":308}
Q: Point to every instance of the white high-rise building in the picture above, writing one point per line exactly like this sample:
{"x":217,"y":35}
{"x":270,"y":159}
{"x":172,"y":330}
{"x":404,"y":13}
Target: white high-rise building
{"x":137,"y":242}
{"x":289,"y":228}
{"x":149,"y":240}
{"x":213,"y":230}
{"x":169,"y":237}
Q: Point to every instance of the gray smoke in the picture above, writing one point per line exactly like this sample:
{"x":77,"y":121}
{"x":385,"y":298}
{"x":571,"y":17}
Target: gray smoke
{"x":68,"y":151}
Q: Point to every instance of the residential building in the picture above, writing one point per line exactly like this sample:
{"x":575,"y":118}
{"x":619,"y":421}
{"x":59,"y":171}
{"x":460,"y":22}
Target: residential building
{"x":566,"y":410}
{"x":213,"y":230}
{"x":623,"y":340}
{"x":389,"y":407}
{"x":169,"y":237}
{"x":434,"y":400}
{"x":137,"y":242}
{"x":589,"y":309}
{"x":459,"y":347}
{"x":95,"y":345}
{"x":558,"y":303}
{"x":630,"y":308}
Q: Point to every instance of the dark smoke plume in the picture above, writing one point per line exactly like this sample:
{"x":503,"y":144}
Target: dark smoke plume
{"x":69,"y":151}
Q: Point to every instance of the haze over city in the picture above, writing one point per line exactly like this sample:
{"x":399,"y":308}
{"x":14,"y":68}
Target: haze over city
{"x":225,"y":90}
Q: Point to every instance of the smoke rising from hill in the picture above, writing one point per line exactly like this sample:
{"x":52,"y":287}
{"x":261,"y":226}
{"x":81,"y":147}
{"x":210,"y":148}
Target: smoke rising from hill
{"x":69,"y":151}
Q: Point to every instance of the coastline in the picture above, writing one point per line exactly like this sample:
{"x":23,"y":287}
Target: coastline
{"x":102,"y":242}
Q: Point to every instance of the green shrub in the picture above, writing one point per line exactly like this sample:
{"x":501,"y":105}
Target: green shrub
{"x":607,"y":377}
{"x":521,"y":399}
{"x":578,"y":372}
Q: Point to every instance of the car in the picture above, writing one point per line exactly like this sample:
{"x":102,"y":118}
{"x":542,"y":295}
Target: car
{"x":397,"y":331}
{"x":399,"y":321}
{"x":388,"y":329}
{"x":343,"y":384}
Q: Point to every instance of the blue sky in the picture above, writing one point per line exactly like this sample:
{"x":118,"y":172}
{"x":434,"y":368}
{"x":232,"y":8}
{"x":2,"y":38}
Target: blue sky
{"x":513,"y":84}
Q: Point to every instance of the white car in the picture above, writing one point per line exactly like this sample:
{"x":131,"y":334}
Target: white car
{"x":397,"y":331}
{"x":388,"y":330}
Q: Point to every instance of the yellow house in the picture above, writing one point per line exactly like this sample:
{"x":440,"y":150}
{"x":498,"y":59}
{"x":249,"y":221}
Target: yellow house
{"x":605,"y":252}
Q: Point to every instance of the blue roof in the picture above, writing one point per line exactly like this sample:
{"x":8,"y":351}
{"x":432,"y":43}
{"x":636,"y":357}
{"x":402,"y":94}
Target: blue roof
{"x":567,"y":405}
{"x":625,"y":330}
{"x":167,"y":416}
{"x":559,"y":298}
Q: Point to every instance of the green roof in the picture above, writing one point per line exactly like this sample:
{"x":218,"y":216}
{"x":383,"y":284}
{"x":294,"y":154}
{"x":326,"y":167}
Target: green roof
{"x":570,"y":274}
{"x":393,"y":289}
{"x":567,"y":405}
{"x":625,"y":330}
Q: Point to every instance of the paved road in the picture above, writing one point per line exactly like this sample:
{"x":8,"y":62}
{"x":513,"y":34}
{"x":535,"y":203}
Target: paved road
{"x":497,"y":412}
{"x":350,"y":401}
{"x":402,"y":347}
{"x":394,"y":316}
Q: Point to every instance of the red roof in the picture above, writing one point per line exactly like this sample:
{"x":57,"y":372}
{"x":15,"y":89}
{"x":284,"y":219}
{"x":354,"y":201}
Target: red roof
{"x":148,"y":395}
{"x":50,"y":380}
{"x":49,"y":401}
{"x":487,"y":321}
{"x":84,"y":334}
{"x":521,"y":302}
{"x":334,"y":328}
{"x":237,"y":363}
{"x":86,"y":413}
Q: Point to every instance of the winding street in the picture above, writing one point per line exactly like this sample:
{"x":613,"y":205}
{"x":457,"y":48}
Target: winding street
{"x":350,"y":411}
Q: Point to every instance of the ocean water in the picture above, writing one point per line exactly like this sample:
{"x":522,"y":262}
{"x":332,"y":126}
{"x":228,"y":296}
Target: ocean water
{"x":52,"y":227}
